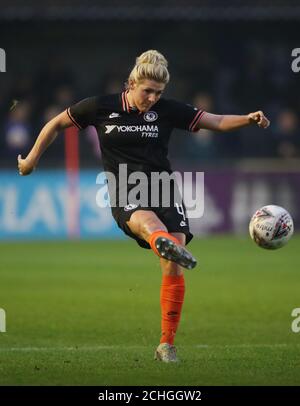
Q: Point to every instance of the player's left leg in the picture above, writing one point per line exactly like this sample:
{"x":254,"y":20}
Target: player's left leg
{"x":171,"y":300}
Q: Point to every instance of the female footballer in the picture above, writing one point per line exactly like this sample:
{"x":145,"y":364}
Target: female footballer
{"x":134,"y":129}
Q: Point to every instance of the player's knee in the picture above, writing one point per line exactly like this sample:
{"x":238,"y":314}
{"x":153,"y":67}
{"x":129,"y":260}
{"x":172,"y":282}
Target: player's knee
{"x":150,"y":225}
{"x":144,"y":224}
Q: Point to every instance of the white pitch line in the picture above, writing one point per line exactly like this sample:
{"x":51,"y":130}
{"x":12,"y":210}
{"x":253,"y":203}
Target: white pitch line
{"x":116,"y":347}
{"x":247,"y":345}
{"x":45,"y":349}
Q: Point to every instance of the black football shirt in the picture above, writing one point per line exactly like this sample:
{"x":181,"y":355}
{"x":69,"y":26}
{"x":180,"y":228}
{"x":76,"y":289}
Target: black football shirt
{"x":128,"y":136}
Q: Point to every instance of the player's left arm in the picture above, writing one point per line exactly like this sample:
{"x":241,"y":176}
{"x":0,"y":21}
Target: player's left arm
{"x":217,"y":122}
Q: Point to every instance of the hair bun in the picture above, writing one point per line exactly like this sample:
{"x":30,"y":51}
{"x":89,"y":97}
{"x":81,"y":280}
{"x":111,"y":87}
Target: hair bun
{"x":150,"y":65}
{"x":152,"y":57}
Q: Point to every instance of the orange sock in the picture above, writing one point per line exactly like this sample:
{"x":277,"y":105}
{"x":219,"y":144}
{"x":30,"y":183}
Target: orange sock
{"x":171,"y":301}
{"x":157,"y":234}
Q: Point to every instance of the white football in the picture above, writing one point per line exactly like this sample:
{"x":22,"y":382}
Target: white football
{"x":271,"y":227}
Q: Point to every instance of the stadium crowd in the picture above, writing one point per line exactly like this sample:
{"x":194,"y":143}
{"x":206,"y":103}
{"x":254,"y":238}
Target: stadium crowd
{"x":256,"y":79}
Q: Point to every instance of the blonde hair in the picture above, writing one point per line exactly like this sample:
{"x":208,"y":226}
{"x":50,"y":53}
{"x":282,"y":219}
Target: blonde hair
{"x":151,"y":65}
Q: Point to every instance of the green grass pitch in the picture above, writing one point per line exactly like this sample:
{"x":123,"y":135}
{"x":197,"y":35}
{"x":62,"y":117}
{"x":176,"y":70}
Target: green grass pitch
{"x":87,"y":313}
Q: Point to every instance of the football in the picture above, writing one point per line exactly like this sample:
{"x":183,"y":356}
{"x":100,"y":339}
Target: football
{"x":271,"y":227}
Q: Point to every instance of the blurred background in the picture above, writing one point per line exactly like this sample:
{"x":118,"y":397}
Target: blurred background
{"x":230,"y":57}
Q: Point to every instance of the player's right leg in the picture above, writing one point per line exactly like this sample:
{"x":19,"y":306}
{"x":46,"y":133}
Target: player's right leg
{"x":147,"y":226}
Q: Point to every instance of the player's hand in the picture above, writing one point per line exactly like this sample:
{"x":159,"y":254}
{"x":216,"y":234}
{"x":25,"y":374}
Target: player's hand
{"x":25,"y":166}
{"x":259,"y":118}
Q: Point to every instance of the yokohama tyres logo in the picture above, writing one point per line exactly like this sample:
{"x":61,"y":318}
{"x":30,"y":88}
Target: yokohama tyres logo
{"x":131,"y":128}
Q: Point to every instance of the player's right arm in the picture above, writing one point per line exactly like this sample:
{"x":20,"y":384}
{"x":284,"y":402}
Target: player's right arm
{"x":80,"y":114}
{"x":46,"y":137}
